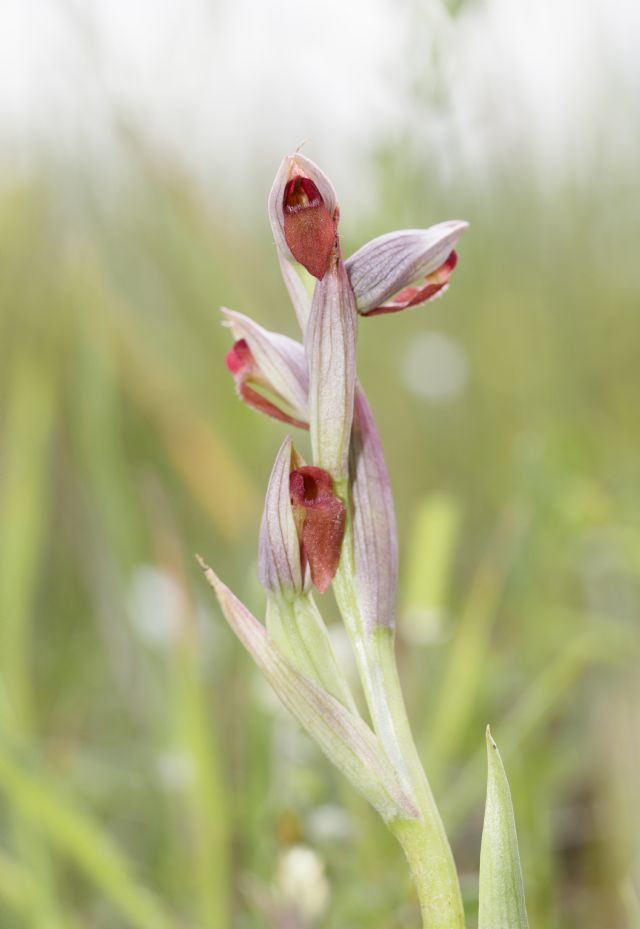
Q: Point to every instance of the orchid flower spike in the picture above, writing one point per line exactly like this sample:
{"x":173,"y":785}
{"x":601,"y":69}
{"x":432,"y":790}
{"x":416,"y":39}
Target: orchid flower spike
{"x":333,"y":521}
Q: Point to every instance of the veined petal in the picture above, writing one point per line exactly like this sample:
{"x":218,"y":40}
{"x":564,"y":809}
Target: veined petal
{"x":272,"y":361}
{"x":375,"y":544}
{"x":330,"y":345}
{"x":303,"y":213}
{"x":245,"y":371}
{"x":389,"y":264}
{"x":321,"y":518}
{"x":279,"y":560}
{"x":344,"y":738}
{"x":434,"y":285}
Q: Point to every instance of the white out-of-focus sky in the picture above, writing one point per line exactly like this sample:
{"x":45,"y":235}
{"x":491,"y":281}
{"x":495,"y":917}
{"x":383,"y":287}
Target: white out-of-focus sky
{"x":228,"y":84}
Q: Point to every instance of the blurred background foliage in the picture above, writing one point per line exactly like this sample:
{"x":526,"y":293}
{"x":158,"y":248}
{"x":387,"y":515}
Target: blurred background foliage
{"x":147,"y":777}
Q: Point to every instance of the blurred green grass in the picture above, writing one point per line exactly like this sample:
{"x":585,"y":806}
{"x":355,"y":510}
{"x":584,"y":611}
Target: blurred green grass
{"x":146,"y":778}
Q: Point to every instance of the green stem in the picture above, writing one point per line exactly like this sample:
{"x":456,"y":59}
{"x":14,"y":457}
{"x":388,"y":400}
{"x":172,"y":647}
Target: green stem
{"x":437,"y":888}
{"x":424,"y":840}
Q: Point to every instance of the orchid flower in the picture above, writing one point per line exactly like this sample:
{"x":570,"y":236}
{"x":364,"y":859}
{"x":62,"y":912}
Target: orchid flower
{"x":302,"y":525}
{"x":392,"y":272}
{"x":269,"y":361}
{"x":303,"y":211}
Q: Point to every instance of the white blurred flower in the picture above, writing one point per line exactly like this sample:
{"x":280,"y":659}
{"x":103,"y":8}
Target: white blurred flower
{"x":435,"y":367}
{"x":156,"y":605}
{"x":176,"y":770}
{"x":301,"y":884}
{"x":328,"y":823}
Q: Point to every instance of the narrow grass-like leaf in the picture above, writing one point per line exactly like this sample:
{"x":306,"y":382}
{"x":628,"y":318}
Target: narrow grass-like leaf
{"x":24,"y":504}
{"x":16,"y":884}
{"x":188,"y":438}
{"x":459,"y":690}
{"x":631,"y":903}
{"x":429,"y":563}
{"x":73,"y":832}
{"x":597,"y":645}
{"x":201,"y":807}
{"x":19,"y":895}
{"x":501,"y":901}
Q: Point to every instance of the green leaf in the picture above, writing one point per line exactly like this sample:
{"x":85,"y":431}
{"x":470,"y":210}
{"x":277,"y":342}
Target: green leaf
{"x":502,"y":903}
{"x":296,"y":627}
{"x":344,"y":738}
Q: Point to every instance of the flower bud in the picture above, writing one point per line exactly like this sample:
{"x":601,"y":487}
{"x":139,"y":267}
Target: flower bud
{"x":381,"y":271}
{"x":301,"y":886}
{"x":330,"y":345}
{"x":303,"y":214}
{"x":271,"y":361}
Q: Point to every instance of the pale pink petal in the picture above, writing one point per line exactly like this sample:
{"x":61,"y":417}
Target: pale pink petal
{"x":389,"y":264}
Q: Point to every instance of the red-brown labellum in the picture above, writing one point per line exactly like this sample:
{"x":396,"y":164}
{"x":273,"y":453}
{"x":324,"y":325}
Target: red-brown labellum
{"x":309,"y":229}
{"x":320,"y":519}
{"x":242,"y":365}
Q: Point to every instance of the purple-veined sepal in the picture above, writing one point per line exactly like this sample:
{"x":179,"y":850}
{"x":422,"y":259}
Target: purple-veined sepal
{"x":280,"y":568}
{"x":433,"y":285}
{"x":330,"y":346}
{"x":270,"y":362}
{"x":404,"y":268}
{"x":375,"y":544}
